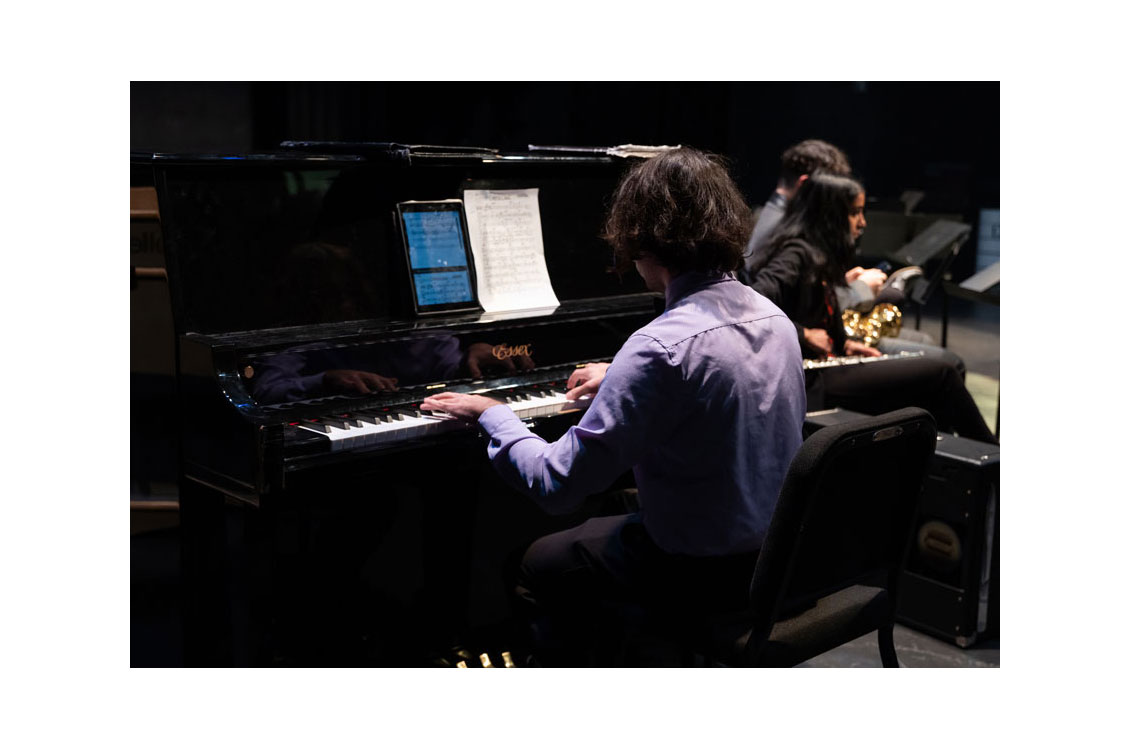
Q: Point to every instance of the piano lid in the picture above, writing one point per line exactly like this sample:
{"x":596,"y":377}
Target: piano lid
{"x":302,"y":238}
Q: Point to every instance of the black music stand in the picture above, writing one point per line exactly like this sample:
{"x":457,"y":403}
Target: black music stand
{"x":941,"y":240}
{"x":983,"y":286}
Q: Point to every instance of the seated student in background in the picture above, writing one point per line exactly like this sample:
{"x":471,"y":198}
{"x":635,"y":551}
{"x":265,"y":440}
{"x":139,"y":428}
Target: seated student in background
{"x":705,"y":404}
{"x":862,"y":287}
{"x":797,"y":163}
{"x":804,"y":263}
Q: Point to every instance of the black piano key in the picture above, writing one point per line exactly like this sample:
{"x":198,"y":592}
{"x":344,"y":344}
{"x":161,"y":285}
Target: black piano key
{"x":315,"y":425}
{"x":385,"y":415}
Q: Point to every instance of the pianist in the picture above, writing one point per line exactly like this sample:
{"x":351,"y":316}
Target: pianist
{"x":705,"y":404}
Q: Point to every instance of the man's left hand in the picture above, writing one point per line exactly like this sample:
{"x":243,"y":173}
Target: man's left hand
{"x":465,"y":406}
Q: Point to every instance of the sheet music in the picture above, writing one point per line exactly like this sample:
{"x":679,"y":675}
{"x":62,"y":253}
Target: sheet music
{"x":506,"y":242}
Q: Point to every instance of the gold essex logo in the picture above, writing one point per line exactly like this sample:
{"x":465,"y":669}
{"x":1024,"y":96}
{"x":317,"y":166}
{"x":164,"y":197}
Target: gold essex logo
{"x":503,"y":351}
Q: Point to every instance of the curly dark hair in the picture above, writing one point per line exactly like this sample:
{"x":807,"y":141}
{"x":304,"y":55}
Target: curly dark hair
{"x":818,"y":214}
{"x":809,"y":156}
{"x":682,"y":209}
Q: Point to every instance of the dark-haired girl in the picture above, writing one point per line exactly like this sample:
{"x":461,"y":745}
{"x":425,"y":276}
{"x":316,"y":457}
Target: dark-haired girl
{"x":810,"y":251}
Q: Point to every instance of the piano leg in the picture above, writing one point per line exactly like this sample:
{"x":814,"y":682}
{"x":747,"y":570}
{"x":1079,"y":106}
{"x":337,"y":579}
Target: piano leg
{"x":449,"y":505}
{"x":206,"y":616}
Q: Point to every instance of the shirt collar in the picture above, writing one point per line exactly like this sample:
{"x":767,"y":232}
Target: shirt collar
{"x":691,"y":281}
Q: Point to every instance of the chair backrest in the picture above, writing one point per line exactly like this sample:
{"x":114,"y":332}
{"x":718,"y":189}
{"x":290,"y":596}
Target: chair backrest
{"x":844,"y":515}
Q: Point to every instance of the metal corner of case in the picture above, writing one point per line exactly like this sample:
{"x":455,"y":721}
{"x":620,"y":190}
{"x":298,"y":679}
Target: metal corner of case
{"x":965,"y":641}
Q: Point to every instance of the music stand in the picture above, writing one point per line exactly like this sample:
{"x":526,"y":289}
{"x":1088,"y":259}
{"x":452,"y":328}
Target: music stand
{"x":943,"y":238}
{"x":984,"y":280}
{"x":983,"y":286}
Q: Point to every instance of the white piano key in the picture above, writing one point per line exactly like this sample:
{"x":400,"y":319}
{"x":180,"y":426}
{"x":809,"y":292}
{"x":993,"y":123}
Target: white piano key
{"x":339,"y":438}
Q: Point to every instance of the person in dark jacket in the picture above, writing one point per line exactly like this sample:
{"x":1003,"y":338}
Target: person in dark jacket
{"x":811,"y":248}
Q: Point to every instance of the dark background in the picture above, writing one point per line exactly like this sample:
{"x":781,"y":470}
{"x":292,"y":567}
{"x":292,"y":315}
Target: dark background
{"x":940,"y":138}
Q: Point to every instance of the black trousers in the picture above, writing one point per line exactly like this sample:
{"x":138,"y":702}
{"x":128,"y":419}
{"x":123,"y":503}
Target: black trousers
{"x":878,"y":387}
{"x":588,"y":591}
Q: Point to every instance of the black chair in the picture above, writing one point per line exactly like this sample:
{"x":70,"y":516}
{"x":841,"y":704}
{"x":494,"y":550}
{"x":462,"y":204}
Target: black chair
{"x":828,"y":570}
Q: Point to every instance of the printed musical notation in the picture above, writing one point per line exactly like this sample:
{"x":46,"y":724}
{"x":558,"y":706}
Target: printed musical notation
{"x":506,"y":242}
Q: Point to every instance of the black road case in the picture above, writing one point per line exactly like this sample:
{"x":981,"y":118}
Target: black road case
{"x":950,"y":587}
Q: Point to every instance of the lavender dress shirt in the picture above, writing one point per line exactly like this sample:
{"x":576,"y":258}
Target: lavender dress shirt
{"x":705,"y":404}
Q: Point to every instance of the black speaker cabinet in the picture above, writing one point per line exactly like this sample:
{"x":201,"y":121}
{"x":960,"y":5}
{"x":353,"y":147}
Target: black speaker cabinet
{"x":950,"y":587}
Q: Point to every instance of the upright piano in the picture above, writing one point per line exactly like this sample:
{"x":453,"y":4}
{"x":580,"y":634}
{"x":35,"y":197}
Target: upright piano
{"x":314,"y":516}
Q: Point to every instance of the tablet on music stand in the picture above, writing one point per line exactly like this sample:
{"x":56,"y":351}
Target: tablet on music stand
{"x":439,"y":256}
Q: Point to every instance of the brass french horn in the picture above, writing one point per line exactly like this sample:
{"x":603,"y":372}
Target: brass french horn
{"x":884,"y":320}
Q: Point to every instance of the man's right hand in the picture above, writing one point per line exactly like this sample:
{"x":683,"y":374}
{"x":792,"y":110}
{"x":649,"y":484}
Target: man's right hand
{"x":585,"y":380}
{"x":356,"y":381}
{"x":818,"y":339}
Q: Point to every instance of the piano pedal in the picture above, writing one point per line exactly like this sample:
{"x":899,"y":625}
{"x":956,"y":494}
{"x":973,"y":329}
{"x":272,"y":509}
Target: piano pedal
{"x":461,"y":658}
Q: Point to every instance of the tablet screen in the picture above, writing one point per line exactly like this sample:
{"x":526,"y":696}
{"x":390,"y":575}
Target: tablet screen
{"x":435,"y":238}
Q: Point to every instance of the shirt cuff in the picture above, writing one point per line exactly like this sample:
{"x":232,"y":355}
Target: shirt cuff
{"x":498,"y":417}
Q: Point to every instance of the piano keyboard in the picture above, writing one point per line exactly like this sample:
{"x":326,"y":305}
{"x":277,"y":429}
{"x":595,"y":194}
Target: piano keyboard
{"x":820,"y":364}
{"x":369,"y":427}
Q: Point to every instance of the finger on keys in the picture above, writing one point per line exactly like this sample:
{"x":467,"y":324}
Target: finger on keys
{"x":433,"y":402}
{"x":576,"y":377}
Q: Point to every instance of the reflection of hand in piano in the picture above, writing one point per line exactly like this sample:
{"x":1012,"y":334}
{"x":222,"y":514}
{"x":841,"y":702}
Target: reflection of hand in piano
{"x":356,"y":381}
{"x":482,"y":356}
